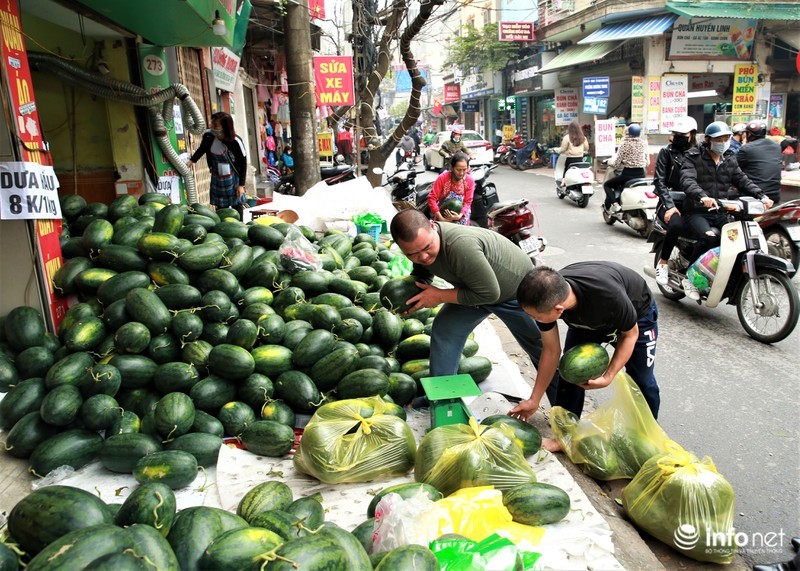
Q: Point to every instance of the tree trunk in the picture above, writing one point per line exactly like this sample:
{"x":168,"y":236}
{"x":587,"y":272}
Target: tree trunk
{"x":297,"y":42}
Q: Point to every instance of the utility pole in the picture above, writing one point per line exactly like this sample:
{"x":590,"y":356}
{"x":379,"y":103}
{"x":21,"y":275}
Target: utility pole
{"x":299,"y":73}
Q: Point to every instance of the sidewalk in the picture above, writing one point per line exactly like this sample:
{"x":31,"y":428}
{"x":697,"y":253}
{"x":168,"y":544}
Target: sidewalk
{"x":634,"y":551}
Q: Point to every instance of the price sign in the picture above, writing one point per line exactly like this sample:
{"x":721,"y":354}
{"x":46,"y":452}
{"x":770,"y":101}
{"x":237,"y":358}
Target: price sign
{"x":170,"y":186}
{"x":28,"y":191}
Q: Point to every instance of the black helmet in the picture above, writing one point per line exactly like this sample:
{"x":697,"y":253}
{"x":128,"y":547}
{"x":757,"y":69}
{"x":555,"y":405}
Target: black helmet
{"x":756,"y":129}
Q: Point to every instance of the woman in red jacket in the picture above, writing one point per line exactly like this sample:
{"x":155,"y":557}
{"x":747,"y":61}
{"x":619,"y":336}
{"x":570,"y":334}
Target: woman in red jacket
{"x":453,"y":184}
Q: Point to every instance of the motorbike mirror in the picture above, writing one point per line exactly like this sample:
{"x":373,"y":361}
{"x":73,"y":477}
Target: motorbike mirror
{"x":377,"y":170}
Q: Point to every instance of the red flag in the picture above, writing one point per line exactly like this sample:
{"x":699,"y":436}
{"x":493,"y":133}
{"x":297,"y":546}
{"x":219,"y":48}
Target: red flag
{"x":437,"y":106}
{"x":316,"y":8}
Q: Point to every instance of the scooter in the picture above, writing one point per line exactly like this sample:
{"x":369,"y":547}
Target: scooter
{"x":339,"y":172}
{"x":506,"y":149}
{"x":483,"y":198}
{"x":756,"y":282}
{"x":637,"y":204}
{"x":402,"y":184}
{"x":781,"y":226}
{"x":577,"y":183}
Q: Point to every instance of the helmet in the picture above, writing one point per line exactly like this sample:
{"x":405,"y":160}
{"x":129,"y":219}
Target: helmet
{"x":717,"y":129}
{"x":738,"y":128}
{"x":634,"y":130}
{"x":458,"y":130}
{"x":756,"y":129}
{"x":684,"y":125}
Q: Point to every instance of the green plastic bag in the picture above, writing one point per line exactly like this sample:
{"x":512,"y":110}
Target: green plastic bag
{"x":367,"y":219}
{"x":400,"y":266}
{"x":494,"y":553}
{"x":685,"y":503}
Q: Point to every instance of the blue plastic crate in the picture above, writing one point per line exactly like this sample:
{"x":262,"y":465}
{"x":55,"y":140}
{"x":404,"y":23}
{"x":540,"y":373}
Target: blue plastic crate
{"x":375,"y":231}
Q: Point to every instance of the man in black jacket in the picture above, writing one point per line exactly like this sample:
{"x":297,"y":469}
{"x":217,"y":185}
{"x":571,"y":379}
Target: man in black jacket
{"x":708,"y":171}
{"x":761,"y":160}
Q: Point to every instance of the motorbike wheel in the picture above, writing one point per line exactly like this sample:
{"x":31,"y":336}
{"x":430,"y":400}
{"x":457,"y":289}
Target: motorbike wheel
{"x":645,"y":232}
{"x":512,"y":162}
{"x":425,"y":164}
{"x":607,"y":218}
{"x":583,"y":201}
{"x":286,"y":188}
{"x":560,"y":193}
{"x":779,"y":311}
{"x":524,"y":165}
{"x":779,"y":244}
{"x":666,"y":291}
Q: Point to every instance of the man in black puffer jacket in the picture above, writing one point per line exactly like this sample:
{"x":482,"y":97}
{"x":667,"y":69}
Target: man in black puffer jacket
{"x":761,"y":160}
{"x":708,"y":171}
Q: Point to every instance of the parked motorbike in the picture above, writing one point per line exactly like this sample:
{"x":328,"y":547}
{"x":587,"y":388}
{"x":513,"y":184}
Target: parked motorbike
{"x":756,"y":282}
{"x":637,"y":205}
{"x":406,"y":158}
{"x":781,"y":226}
{"x":577,"y":183}
{"x":529,"y":156}
{"x":339,"y":172}
{"x":402,"y":184}
{"x":513,"y":219}
{"x":507,"y":148}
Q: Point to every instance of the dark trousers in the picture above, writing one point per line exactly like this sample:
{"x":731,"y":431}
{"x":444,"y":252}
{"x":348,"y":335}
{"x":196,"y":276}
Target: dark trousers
{"x":639,"y":366}
{"x":698,"y":224}
{"x":613,"y":185}
{"x":572,"y":161}
{"x":675,"y":228}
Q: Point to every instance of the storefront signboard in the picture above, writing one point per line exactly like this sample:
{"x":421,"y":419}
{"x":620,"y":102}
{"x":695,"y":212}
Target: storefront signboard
{"x":566,"y":106}
{"x":508,"y":131}
{"x":325,"y":143}
{"x":604,"y":137}
{"x":26,"y":127}
{"x":653,"y":103}
{"x":704,"y":38}
{"x":225,"y":66}
{"x":776,"y":103}
{"x":516,"y":32}
{"x":470,"y":106}
{"x":452,"y":92}
{"x":637,"y":99}
{"x":745,"y":85}
{"x":596,"y":87}
{"x":674,"y":102}
{"x":333,"y":80}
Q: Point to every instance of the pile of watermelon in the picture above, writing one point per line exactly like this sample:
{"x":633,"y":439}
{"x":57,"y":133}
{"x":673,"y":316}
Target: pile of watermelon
{"x":190,"y":328}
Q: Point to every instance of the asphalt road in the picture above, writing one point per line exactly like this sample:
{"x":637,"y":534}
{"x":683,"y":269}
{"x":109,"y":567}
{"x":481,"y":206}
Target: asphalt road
{"x":724,"y":395}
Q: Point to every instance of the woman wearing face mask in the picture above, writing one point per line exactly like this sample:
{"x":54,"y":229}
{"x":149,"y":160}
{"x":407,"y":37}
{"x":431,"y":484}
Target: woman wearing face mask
{"x":708,"y":171}
{"x":227,"y":161}
{"x":667,"y":178}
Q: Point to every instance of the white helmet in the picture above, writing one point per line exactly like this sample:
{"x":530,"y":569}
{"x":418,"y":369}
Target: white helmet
{"x":738,"y":128}
{"x":684,"y":125}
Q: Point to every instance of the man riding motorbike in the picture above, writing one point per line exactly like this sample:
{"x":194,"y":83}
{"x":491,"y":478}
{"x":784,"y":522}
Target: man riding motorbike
{"x":406,"y":145}
{"x":454,"y":145}
{"x":708,"y":171}
{"x":738,"y":138}
{"x":761,"y":160}
{"x":667,"y":178}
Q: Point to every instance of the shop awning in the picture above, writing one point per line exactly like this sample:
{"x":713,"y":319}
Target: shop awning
{"x":575,"y":55}
{"x":639,"y":28}
{"x":751,"y":10}
{"x":791,"y":37}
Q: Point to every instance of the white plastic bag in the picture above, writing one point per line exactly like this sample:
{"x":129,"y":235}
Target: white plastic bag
{"x":398,"y":522}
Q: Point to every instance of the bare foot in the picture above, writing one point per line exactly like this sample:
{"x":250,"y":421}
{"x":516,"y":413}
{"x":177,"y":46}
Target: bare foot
{"x":551,"y":445}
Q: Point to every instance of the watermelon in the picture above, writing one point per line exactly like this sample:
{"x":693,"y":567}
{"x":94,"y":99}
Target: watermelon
{"x":310,"y":552}
{"x":268,"y":438}
{"x":395,"y":293}
{"x":175,"y":468}
{"x":152,"y":504}
{"x":120,"y":452}
{"x":264,"y":497}
{"x":74,"y":448}
{"x":525,"y":434}
{"x":239,"y":549}
{"x":174,"y":415}
{"x":537,"y":503}
{"x":414,"y":557}
{"x":405,"y":491}
{"x":202,"y":445}
{"x":196,"y":528}
{"x":583,"y":362}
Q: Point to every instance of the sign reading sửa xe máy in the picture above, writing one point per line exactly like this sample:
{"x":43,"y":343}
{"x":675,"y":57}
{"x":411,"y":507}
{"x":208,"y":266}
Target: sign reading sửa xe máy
{"x":333,"y":80}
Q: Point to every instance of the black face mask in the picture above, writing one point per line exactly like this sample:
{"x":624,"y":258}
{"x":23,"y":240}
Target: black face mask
{"x":680,"y":142}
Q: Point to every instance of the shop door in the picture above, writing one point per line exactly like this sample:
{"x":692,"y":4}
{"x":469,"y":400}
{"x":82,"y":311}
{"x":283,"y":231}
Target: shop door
{"x":252,"y":129}
{"x":190,"y":70}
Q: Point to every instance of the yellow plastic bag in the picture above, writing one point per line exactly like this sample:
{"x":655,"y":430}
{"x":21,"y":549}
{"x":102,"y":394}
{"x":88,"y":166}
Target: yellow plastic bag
{"x":462,"y":456}
{"x":615,"y":440}
{"x":354,"y":441}
{"x":685,"y":503}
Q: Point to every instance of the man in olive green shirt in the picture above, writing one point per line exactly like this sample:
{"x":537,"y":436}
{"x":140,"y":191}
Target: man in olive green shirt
{"x":484,"y":269}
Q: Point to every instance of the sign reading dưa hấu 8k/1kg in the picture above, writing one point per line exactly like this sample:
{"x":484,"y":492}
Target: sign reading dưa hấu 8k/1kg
{"x":333,"y":80}
{"x":28,"y":191}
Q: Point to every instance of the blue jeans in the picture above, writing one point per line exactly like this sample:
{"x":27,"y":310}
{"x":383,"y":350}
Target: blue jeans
{"x":639,"y":366}
{"x":454,"y":323}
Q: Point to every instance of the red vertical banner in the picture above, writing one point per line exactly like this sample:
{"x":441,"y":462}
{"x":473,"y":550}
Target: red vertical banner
{"x":452,"y":92}
{"x":19,"y":90}
{"x":333,"y":80}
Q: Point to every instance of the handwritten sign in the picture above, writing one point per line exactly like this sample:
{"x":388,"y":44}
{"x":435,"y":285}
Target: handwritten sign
{"x":170,"y":186}
{"x":508,"y":131}
{"x":745,"y":84}
{"x":325,"y":143}
{"x":333,"y":80}
{"x":674,"y":102}
{"x":637,"y":99}
{"x":28,"y":191}
{"x":604,"y":139}
{"x":566,"y":106}
{"x":653,"y":103}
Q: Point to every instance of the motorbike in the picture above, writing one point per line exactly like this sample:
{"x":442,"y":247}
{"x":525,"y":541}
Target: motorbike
{"x":402,"y":184}
{"x":512,"y":219}
{"x":529,"y":156}
{"x":637,"y":205}
{"x":577,"y":183}
{"x":750,"y":278}
{"x":507,"y":148}
{"x":781,"y":226}
{"x":406,"y":158}
{"x":339,"y":172}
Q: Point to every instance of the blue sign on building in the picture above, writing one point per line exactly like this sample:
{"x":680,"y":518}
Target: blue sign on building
{"x":595,"y":105}
{"x":470,"y":105}
{"x":596,"y":87}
